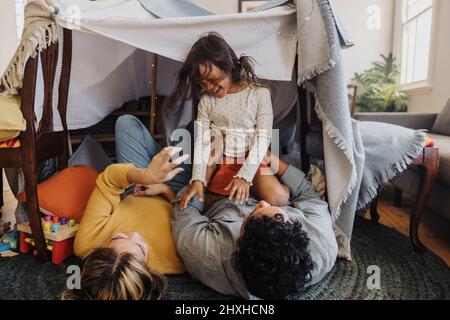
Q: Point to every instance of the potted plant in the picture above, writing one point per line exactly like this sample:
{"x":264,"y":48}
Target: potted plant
{"x":380,"y":91}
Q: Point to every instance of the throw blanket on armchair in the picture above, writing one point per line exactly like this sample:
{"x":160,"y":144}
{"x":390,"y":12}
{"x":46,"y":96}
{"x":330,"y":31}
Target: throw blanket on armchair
{"x":359,"y":156}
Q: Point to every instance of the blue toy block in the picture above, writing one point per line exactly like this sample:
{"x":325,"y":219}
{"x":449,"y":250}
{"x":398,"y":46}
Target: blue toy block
{"x":5,"y":246}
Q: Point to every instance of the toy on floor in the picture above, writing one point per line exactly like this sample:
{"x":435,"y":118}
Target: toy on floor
{"x":5,"y":226}
{"x":59,"y":236}
{"x":9,"y":241}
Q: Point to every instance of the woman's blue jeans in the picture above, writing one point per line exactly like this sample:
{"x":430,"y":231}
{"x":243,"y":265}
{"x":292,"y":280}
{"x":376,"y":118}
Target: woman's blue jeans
{"x":135,"y":145}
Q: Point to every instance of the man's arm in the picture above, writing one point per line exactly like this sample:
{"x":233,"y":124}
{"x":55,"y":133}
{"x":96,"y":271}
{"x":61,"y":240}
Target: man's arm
{"x":302,"y":193}
{"x":197,"y":239}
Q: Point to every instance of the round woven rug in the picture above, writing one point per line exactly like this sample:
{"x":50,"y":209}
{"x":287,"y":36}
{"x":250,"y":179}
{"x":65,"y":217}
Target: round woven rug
{"x":403,"y":273}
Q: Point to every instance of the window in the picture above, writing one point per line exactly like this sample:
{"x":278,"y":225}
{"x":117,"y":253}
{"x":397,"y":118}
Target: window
{"x":20,"y":17}
{"x":415,"y":42}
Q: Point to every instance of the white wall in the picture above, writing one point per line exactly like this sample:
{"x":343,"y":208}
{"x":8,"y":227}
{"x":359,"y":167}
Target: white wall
{"x":8,"y":38}
{"x":369,"y":43}
{"x":8,"y":33}
{"x":434,"y":101}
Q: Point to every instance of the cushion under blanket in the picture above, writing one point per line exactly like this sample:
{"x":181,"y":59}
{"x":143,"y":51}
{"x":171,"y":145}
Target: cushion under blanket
{"x":11,"y":118}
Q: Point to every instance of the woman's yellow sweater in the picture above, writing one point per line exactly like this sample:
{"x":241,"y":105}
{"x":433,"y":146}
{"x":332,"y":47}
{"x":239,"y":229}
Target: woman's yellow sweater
{"x":106,"y":214}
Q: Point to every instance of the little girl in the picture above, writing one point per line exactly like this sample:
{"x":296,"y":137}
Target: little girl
{"x":235,"y":113}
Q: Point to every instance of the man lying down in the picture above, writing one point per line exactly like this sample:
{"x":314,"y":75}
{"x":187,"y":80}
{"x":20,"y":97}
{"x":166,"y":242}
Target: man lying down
{"x":255,"y":250}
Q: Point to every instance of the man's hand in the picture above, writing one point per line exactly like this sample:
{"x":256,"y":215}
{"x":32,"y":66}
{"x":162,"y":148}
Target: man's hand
{"x":196,"y":187}
{"x":239,"y":188}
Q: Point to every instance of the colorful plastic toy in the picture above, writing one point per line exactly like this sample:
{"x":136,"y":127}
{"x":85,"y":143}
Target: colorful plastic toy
{"x":59,"y":240}
{"x":63,"y":221}
{"x":55,"y":227}
{"x":47,"y":226}
{"x":9,"y":241}
{"x":72,"y":223}
{"x":55,"y":219}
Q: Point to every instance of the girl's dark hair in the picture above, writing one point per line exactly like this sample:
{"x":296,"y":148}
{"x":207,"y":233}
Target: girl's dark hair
{"x":108,"y":275}
{"x":209,"y":50}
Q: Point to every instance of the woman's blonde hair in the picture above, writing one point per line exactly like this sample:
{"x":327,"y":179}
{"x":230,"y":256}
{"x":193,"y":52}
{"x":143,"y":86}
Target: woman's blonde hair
{"x":107,"y":275}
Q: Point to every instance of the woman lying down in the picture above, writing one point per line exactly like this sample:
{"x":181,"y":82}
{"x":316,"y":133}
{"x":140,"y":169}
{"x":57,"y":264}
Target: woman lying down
{"x":127,"y":245}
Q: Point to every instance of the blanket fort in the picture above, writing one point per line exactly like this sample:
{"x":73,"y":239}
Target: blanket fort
{"x":125,"y":33}
{"x":111,"y":64}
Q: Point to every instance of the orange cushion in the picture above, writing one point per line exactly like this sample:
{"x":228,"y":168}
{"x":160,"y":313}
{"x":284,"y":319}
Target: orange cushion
{"x":66,"y":194}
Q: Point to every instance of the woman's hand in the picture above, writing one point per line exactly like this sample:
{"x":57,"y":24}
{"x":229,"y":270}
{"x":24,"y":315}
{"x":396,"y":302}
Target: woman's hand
{"x":150,"y":190}
{"x":196,"y":187}
{"x":239,"y":188}
{"x":160,"y":169}
{"x":154,"y":190}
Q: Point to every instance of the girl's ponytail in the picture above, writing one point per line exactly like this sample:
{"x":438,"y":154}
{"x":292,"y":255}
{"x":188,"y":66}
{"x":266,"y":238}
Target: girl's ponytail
{"x":245,"y":70}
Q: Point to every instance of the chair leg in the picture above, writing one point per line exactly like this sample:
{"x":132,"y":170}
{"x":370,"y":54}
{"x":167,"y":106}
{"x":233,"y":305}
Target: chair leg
{"x":30,"y":176}
{"x":63,"y":160}
{"x":1,"y":188}
{"x":397,"y":197}
{"x":428,"y":172}
{"x":374,"y":216}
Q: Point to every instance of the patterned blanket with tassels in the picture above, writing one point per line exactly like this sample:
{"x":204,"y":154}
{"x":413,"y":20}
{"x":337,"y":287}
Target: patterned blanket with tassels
{"x":359,"y":156}
{"x":39,"y":32}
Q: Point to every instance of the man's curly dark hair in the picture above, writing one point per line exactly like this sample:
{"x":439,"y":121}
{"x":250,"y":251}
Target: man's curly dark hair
{"x":273,"y":257}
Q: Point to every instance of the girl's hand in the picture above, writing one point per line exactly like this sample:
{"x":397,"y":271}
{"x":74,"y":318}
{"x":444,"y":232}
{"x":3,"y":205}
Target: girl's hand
{"x":196,"y":187}
{"x":239,"y":188}
{"x":160,"y":169}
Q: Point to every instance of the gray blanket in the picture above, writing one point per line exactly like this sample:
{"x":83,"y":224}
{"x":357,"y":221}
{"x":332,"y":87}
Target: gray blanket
{"x":359,"y":156}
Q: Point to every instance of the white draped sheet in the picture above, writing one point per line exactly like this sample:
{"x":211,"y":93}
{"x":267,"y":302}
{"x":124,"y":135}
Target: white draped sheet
{"x":112,"y":41}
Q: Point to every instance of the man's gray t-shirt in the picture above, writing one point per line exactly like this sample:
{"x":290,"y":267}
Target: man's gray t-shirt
{"x":206,"y":242}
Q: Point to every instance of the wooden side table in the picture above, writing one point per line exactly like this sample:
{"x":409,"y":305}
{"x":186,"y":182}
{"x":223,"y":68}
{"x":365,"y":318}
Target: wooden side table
{"x":428,"y":165}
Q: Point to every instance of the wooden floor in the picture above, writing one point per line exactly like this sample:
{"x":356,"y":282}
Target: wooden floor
{"x":434,"y":231}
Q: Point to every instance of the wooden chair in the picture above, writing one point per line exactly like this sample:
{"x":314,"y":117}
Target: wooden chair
{"x":45,"y":143}
{"x":352,"y":95}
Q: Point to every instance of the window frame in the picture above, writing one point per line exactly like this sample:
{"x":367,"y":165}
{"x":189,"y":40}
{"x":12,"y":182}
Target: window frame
{"x":22,"y":16}
{"x":423,"y":86}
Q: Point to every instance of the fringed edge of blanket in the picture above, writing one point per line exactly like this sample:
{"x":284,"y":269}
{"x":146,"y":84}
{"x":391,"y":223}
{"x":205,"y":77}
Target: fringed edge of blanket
{"x":12,"y":80}
{"x":384,"y":177}
{"x":316,"y":71}
{"x":340,"y":142}
{"x":328,"y":126}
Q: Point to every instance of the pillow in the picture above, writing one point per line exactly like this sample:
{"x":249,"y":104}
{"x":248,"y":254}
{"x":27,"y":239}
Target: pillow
{"x":442,"y":124}
{"x":11,"y":118}
{"x":66,"y":194}
{"x":318,"y":180}
{"x":90,"y":153}
{"x":10,"y":144}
